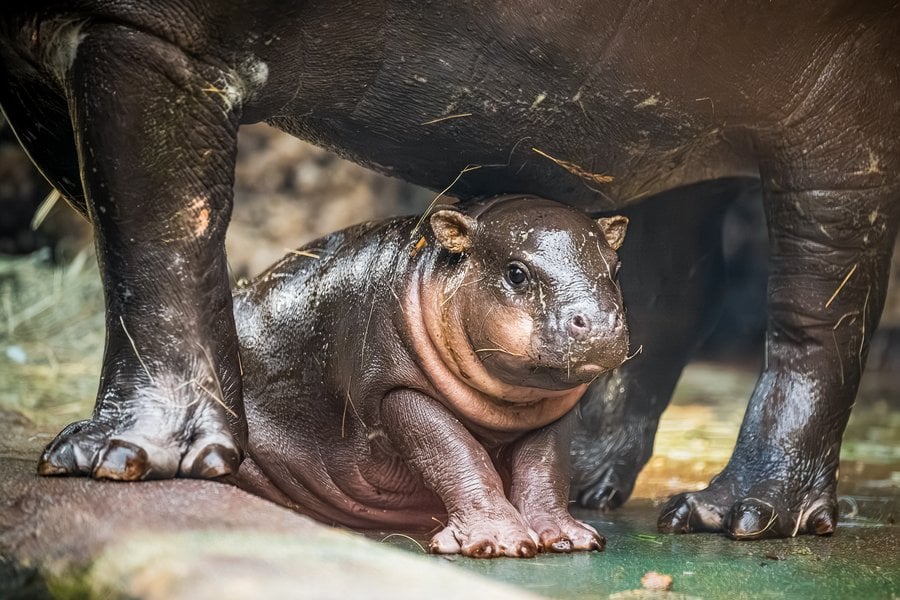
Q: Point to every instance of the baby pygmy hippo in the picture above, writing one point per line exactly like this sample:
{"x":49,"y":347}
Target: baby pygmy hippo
{"x":429,"y":385}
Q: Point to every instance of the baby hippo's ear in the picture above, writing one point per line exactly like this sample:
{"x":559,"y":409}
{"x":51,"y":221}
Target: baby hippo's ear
{"x":453,"y":230}
{"x":613,"y":229}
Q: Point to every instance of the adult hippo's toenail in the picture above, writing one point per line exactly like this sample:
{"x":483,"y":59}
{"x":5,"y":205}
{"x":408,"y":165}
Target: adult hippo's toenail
{"x":57,"y":461}
{"x":674,"y":517}
{"x":63,"y":456}
{"x":122,"y":461}
{"x":822,"y":522}
{"x":215,"y":461}
{"x":751,"y":520}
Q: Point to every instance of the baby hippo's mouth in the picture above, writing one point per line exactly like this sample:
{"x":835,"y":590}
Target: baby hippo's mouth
{"x":569,"y":371}
{"x":556,"y":366}
{"x":548,"y":377}
{"x":578,"y":374}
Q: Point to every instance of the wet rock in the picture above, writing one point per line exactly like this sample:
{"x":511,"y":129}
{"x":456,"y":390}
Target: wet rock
{"x":187,"y":539}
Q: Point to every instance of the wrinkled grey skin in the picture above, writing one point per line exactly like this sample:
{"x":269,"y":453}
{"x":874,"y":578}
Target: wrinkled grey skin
{"x":390,"y":385}
{"x":131,"y":111}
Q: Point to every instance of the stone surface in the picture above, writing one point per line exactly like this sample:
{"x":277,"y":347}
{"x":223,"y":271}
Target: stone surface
{"x":76,"y":537}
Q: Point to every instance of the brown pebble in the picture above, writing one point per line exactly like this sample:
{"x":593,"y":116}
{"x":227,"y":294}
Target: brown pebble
{"x":656,"y":581}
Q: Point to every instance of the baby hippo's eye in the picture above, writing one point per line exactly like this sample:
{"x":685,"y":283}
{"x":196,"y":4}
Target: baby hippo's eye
{"x":516,"y":274}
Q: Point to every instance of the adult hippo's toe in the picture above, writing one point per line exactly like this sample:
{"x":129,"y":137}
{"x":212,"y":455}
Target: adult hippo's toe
{"x":764,"y":514}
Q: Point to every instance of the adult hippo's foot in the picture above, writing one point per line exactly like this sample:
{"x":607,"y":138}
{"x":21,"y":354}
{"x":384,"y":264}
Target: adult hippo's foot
{"x":163,"y":437}
{"x":157,"y":180}
{"x":780,"y":504}
{"x":764,"y":492}
{"x":609,"y":478}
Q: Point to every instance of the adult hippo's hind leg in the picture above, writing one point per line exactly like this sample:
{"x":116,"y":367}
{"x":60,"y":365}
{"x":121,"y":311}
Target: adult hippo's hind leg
{"x":672,"y":278}
{"x":156,"y":143}
{"x":832,"y":227}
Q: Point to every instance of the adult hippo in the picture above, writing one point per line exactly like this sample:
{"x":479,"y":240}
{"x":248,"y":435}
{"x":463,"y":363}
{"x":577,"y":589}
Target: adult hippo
{"x":131,"y":111}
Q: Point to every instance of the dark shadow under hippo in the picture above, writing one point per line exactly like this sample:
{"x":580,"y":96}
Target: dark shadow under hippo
{"x":422,"y":375}
{"x":131,"y":111}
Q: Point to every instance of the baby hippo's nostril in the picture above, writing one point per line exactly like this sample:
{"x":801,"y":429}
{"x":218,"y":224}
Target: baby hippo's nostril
{"x":579,"y":327}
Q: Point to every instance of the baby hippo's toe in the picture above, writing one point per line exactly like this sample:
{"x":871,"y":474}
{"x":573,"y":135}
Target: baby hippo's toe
{"x":565,"y":534}
{"x":488,"y":539}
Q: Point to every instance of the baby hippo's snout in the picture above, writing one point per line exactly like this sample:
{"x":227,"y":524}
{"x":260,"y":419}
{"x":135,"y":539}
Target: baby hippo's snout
{"x":581,"y":326}
{"x":593,"y":340}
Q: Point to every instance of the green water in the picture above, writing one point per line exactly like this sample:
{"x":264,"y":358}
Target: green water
{"x":857,"y":562}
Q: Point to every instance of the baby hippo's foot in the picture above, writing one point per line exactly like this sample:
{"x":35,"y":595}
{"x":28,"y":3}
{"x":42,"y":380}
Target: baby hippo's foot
{"x":765,"y":510}
{"x":562,"y":533}
{"x":138,"y":438}
{"x":486,"y":537}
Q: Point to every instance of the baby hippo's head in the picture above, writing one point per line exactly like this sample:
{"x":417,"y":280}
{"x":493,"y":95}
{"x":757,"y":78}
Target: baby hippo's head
{"x":535,"y":292}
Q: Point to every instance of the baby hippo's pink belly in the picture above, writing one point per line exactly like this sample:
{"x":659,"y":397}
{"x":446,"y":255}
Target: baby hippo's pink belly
{"x":376,"y":492}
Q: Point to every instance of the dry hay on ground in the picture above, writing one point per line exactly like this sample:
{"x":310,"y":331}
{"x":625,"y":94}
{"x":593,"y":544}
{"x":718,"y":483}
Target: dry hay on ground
{"x":51,"y":336}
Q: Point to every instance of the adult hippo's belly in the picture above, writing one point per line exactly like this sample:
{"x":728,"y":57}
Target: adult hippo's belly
{"x":596,"y":104}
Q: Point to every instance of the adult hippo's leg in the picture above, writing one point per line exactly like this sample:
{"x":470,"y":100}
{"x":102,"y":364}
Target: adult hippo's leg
{"x":156,"y":139}
{"x":833,"y":203}
{"x":672,"y":280}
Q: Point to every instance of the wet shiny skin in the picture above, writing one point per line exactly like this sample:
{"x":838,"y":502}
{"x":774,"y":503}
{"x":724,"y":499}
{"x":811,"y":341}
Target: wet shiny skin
{"x":372,"y":385}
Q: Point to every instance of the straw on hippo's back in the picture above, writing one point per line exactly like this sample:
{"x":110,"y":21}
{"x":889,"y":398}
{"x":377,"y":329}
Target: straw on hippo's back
{"x":131,"y":110}
{"x":391,"y":384}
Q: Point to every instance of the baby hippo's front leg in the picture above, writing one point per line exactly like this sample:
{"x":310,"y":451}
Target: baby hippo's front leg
{"x":540,"y":489}
{"x":481,"y":521}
